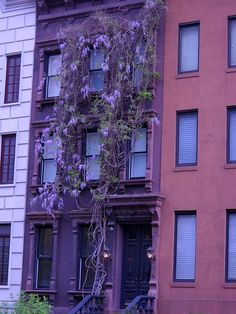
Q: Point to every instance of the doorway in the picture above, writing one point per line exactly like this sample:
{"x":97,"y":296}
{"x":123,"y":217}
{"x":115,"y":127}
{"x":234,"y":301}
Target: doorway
{"x":136,"y":268}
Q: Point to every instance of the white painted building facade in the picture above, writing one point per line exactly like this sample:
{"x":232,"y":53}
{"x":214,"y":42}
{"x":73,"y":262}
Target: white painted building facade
{"x":17,"y":36}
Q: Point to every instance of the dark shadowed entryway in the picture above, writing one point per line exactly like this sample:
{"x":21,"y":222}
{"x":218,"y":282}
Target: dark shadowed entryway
{"x":135,"y":265}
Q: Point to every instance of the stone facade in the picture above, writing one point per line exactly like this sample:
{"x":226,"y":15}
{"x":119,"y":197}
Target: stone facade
{"x":17,"y":33}
{"x":138,"y":203}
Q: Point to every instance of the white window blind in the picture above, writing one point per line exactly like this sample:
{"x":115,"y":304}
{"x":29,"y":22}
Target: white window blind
{"x":232,"y":38}
{"x":232,"y":135}
{"x":187,"y":138}
{"x":49,"y":167}
{"x":189,"y":48}
{"x":53,"y":83}
{"x":185,"y":247}
{"x":138,"y":157}
{"x":92,"y":156}
{"x":231,"y":247}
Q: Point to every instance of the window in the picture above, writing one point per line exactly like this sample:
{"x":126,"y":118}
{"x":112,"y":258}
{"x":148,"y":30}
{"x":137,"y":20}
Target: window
{"x":138,"y":157}
{"x":138,"y":64}
{"x":53,"y":82}
{"x":231,"y":247}
{"x":86,"y":271}
{"x":96,"y":72}
{"x":92,"y":156}
{"x":188,"y":48}
{"x":186,"y":146}
{"x":43,"y":257}
{"x":49,"y":163}
{"x":7,"y":159}
{"x":185,"y":242}
{"x":12,"y":79}
{"x":232,"y":42}
{"x":5,"y":231}
{"x":231,"y":140}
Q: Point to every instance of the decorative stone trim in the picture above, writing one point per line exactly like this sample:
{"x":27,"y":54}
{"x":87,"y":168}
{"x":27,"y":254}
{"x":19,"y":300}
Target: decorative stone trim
{"x":10,"y":5}
{"x":35,"y":219}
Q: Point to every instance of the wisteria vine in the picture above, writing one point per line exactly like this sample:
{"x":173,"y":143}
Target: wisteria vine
{"x":118,"y":110}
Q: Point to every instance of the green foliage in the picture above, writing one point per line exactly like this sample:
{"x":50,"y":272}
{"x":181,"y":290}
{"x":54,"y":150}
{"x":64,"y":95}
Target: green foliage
{"x":32,"y":304}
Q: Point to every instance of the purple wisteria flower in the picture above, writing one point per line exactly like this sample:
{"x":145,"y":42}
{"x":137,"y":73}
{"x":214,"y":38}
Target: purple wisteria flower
{"x":102,"y":40}
{"x":83,"y":185}
{"x":73,"y":67}
{"x":134,"y":25}
{"x":150,"y":4}
{"x":85,"y":91}
{"x":62,"y":46}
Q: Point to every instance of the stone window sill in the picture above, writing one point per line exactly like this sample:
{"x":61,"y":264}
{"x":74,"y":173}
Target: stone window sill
{"x":183,"y":285}
{"x":185,"y":168}
{"x":187,"y":75}
{"x":230,"y":166}
{"x":229,"y":285}
{"x":231,"y":70}
{"x":11,"y":104}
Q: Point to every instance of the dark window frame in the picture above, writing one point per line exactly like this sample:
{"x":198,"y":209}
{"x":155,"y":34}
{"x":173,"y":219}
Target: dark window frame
{"x":230,"y":18}
{"x":38,"y":258}
{"x":6,"y":235}
{"x":191,"y":212}
{"x":177,"y":164}
{"x":228,"y":213}
{"x":129,"y":163}
{"x":181,"y":26}
{"x":228,"y":160}
{"x":6,"y":94}
{"x":3,"y":137}
{"x":54,"y":53}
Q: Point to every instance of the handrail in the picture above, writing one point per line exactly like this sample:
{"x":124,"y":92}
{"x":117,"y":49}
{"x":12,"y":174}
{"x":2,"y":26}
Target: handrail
{"x":91,"y":304}
{"x":140,"y":305}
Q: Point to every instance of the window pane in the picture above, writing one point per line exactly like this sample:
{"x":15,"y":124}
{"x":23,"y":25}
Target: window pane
{"x":96,"y":59}
{"x":187,"y":138}
{"x":45,"y":241}
{"x":232,"y":135}
{"x":93,"y":168}
{"x":4,"y":252}
{"x":189,"y":48}
{"x":50,"y":148}
{"x":54,"y":85}
{"x":138,"y":165}
{"x":97,"y":80}
{"x":92,"y":144}
{"x":44,"y":272}
{"x":54,"y":64}
{"x":185,"y":247}
{"x":12,"y":79}
{"x":44,"y":257}
{"x":231,"y":247}
{"x":7,"y":158}
{"x":139,"y":141}
{"x":49,"y":170}
{"x":232,"y":48}
{"x":86,"y":271}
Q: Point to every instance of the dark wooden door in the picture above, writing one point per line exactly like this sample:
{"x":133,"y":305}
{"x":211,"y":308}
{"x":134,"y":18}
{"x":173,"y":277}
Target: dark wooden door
{"x":136,"y":267}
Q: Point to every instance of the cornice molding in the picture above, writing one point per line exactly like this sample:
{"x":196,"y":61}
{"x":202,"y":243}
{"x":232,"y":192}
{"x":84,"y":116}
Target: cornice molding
{"x":11,"y":5}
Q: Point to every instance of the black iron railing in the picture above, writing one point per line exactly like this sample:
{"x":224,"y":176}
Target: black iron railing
{"x":142,"y":304}
{"x":91,"y":304}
